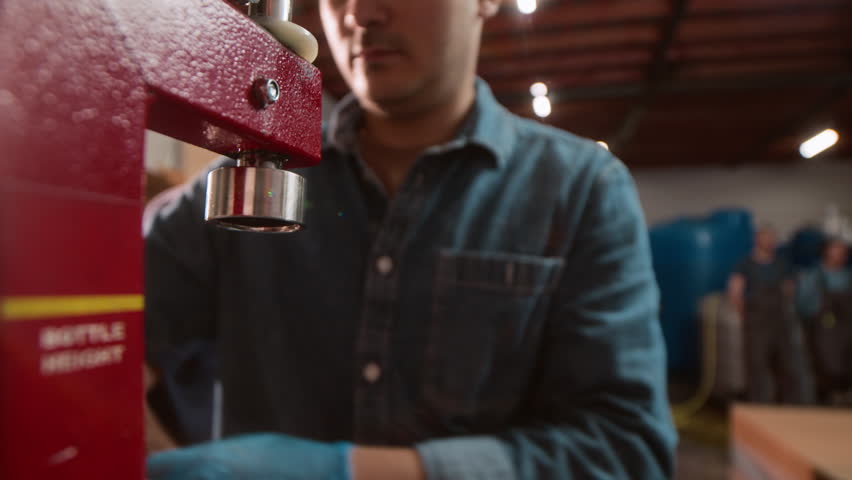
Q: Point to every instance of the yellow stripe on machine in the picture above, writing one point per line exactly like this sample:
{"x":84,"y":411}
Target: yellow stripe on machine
{"x":43,"y":307}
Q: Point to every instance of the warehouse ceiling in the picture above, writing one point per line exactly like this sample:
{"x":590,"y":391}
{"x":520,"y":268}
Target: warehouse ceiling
{"x":673,"y":82}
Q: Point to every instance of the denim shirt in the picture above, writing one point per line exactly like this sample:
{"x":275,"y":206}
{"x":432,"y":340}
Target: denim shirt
{"x":499,"y":314}
{"x":814,"y":284}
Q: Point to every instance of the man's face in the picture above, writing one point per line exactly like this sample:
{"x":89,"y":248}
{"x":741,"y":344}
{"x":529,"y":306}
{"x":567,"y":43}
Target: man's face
{"x":836,"y":254}
{"x":766,"y":240}
{"x":391,"y":52}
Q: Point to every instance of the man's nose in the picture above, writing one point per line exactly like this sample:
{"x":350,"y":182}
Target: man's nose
{"x":366,"y":13}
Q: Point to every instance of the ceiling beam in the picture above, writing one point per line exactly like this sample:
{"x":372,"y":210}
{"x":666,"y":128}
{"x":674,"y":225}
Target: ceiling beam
{"x":580,"y":15}
{"x":559,"y":62}
{"x":740,"y":7}
{"x":561,"y":72}
{"x":765,"y":66}
{"x":609,"y":41}
{"x":770,"y":47}
{"x":796,"y":123}
{"x":565,"y":80}
{"x":564,"y":16}
{"x":758,"y":82}
{"x":703,"y":29}
{"x":605,"y":37}
{"x":659,"y":72}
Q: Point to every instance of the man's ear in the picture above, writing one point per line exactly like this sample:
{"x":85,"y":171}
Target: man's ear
{"x":488,"y":8}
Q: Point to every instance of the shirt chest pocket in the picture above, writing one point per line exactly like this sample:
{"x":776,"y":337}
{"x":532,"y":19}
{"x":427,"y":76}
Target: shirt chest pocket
{"x":488,"y":314}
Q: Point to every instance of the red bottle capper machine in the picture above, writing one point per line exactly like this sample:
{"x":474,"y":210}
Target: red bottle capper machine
{"x":80,"y":81}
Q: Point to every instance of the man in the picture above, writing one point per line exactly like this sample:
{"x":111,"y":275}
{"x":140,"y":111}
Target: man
{"x":761,"y":290}
{"x":473,"y":296}
{"x":824,"y":299}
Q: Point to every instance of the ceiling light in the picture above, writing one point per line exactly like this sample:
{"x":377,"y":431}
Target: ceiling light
{"x":538,"y":89}
{"x":527,"y":6}
{"x":541,"y":106}
{"x":603,"y":144}
{"x":819,"y":143}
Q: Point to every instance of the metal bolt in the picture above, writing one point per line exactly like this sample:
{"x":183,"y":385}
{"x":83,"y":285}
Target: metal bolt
{"x":266,"y":92}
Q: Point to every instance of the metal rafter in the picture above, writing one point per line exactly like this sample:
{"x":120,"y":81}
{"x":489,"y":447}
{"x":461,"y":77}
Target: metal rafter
{"x":659,"y":72}
{"x":802,"y":119}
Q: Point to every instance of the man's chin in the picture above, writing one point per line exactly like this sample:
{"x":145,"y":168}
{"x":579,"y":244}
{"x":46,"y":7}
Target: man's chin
{"x":384,"y":91}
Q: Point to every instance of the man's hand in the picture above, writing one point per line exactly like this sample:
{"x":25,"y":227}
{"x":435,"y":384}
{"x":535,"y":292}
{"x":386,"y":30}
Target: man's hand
{"x":256,"y":456}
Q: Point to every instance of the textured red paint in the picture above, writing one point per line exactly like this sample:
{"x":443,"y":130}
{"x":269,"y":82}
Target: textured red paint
{"x":93,"y":415}
{"x":69,"y":243}
{"x":200,"y":59}
{"x":79,"y":83}
{"x":72,"y":132}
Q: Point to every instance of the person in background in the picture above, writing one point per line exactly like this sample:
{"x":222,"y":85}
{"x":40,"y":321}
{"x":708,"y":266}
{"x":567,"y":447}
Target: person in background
{"x":761,"y":289}
{"x":473,"y":296}
{"x":824,"y":300}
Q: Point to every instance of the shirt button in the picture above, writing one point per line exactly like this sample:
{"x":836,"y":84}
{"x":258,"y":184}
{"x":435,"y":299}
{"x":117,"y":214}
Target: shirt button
{"x":384,"y":264}
{"x":372,"y":372}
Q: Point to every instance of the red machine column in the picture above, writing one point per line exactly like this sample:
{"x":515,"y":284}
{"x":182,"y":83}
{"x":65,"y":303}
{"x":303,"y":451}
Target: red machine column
{"x":79,"y":84}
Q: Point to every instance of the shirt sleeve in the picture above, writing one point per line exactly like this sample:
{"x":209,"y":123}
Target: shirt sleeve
{"x":180,"y":269}
{"x":809,"y":294}
{"x":599,"y":407}
{"x":470,"y":458}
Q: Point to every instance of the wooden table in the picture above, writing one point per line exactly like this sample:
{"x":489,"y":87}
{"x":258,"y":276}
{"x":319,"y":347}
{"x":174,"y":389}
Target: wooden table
{"x":770,"y":442}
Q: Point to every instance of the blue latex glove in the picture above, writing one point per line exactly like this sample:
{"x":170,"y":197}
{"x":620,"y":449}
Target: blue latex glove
{"x":261,"y":456}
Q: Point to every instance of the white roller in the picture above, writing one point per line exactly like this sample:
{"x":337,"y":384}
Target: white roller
{"x":293,"y":36}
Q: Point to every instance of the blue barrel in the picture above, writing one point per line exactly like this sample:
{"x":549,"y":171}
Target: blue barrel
{"x":692,"y":258}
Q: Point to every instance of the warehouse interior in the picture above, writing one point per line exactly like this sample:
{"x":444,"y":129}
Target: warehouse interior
{"x":707,"y":102}
{"x":734,"y":120}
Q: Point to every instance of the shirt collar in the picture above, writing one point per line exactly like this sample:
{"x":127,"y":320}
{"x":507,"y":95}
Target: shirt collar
{"x":488,"y":126}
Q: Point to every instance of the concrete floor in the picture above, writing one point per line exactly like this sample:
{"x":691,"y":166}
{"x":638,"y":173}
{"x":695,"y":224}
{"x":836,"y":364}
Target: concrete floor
{"x":702,"y":452}
{"x":698,"y":460}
